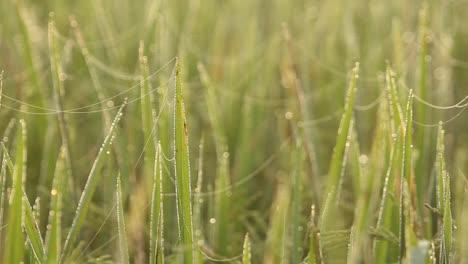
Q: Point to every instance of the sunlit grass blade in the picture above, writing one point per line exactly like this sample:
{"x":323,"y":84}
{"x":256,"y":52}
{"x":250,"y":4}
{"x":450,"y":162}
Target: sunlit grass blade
{"x":123,"y":241}
{"x":329,"y":219}
{"x":448,"y":222}
{"x":54,"y":225}
{"x":89,"y":189}
{"x":384,"y":250}
{"x":444,"y":199}
{"x":14,"y":249}
{"x":422,"y":112}
{"x":406,"y":180}
{"x":246,"y":255}
{"x":147,"y":114}
{"x":157,"y":216}
{"x":29,"y":222}
{"x":372,"y":178}
{"x":396,"y":114}
{"x":32,"y":230}
{"x":182,"y":173}
{"x":440,"y":165}
{"x":336,"y":165}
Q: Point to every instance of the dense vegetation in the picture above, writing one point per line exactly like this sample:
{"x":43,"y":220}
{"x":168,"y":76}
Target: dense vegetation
{"x":319,"y":131}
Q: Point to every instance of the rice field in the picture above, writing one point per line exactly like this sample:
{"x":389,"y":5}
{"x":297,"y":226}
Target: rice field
{"x":233,"y":131}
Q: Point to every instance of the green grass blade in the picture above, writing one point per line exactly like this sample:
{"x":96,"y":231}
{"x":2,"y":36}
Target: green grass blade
{"x":336,"y":167}
{"x":32,"y":230}
{"x":246,"y":255}
{"x":157,"y":216}
{"x":182,"y":173}
{"x":54,"y":226}
{"x":147,"y":115}
{"x":422,"y":112}
{"x":90,"y":188}
{"x":448,"y":222}
{"x":440,"y":164}
{"x":387,"y":211}
{"x":123,"y":241}
{"x":406,"y":177}
{"x":329,"y":219}
{"x":29,"y":222}
{"x":444,"y":199}
{"x":396,"y":113}
{"x":14,"y":249}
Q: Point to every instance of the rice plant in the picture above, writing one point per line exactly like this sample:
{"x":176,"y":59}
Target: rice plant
{"x":325,"y":131}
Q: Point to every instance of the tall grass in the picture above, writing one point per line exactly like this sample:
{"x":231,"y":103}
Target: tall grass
{"x":303,"y":157}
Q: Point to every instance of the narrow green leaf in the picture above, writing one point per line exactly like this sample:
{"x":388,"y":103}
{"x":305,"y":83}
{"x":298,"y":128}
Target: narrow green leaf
{"x":440,"y":164}
{"x":14,"y":249}
{"x":246,"y":255}
{"x":182,"y":173}
{"x":32,"y":230}
{"x":329,"y":219}
{"x":54,"y":230}
{"x":396,"y":113}
{"x":387,"y":211}
{"x":147,"y":114}
{"x":157,"y":216}
{"x":448,"y":221}
{"x":423,"y":136}
{"x":90,"y":187}
{"x":336,"y":165}
{"x":406,"y":174}
{"x":29,"y":221}
{"x":123,"y":241}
